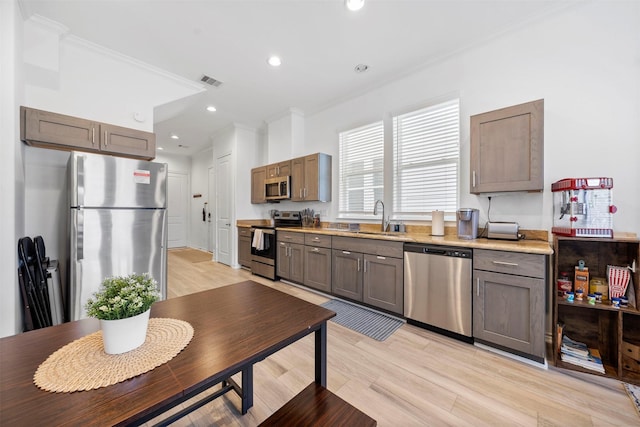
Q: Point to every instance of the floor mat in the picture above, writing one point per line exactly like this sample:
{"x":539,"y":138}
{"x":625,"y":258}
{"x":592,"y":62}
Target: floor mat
{"x":192,"y":255}
{"x":634,"y":393}
{"x":367,"y":322}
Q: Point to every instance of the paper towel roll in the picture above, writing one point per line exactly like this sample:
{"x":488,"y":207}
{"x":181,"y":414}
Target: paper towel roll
{"x":437,"y":223}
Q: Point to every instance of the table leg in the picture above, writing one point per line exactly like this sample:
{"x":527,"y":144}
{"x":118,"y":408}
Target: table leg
{"x":247,"y":388}
{"x":321,"y":355}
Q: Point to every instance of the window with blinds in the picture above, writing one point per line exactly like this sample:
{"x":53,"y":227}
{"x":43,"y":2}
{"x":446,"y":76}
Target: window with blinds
{"x":361,"y":169}
{"x":426,"y":160}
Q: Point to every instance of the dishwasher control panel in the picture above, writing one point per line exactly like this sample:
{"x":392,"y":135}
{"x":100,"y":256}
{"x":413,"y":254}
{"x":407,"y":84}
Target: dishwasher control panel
{"x":438,"y":250}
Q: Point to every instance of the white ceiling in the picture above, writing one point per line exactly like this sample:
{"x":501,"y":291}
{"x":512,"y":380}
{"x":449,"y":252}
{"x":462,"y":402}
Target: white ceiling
{"x":320,"y":43}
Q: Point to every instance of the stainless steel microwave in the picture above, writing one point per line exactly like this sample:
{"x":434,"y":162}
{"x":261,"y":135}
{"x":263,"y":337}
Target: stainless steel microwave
{"x":278,"y":188}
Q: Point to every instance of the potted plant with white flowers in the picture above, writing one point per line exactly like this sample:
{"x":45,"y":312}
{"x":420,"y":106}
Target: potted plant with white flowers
{"x":122,"y":305}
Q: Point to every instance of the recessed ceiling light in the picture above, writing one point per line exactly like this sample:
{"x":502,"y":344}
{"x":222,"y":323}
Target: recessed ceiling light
{"x":160,"y":148}
{"x":174,"y":136}
{"x":211,"y":108}
{"x":354,"y":5}
{"x":361,"y":68}
{"x":274,"y":61}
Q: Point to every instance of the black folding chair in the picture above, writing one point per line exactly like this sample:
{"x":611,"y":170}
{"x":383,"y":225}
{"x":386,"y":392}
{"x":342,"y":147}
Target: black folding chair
{"x":35,"y":284}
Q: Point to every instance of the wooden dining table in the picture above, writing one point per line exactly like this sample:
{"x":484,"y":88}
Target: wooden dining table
{"x":235,"y":326}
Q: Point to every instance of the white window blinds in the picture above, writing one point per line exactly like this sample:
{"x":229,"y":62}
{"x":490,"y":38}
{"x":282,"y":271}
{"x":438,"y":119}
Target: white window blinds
{"x":426,"y":160}
{"x":361,"y":169}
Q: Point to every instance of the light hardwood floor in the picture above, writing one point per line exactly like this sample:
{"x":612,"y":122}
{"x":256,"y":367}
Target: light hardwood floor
{"x":414,"y":378}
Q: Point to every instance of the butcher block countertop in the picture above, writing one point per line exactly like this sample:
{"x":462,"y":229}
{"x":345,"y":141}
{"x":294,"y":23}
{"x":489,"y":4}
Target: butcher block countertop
{"x":536,"y":244}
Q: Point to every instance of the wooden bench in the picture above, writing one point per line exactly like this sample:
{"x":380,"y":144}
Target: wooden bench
{"x":317,"y":406}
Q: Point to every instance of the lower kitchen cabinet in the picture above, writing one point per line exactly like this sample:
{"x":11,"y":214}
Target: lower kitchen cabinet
{"x":509,"y":301}
{"x":244,"y":247}
{"x":347,"y":274}
{"x":370,"y":271}
{"x":317,"y":262}
{"x":290,"y":256}
{"x":384,"y":278}
{"x":317,"y":272}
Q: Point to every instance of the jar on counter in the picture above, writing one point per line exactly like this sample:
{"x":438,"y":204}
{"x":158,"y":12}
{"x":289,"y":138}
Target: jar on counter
{"x":564,"y":283}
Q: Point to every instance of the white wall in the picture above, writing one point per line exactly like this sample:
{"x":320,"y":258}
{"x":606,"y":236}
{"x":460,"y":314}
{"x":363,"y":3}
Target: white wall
{"x":90,"y":82}
{"x":585,"y":63}
{"x":285,"y":136}
{"x":247,"y":149}
{"x":11,"y":165}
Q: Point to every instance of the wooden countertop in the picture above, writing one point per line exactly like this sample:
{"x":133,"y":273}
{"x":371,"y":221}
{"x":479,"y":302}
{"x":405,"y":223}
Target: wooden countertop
{"x":532,"y":246}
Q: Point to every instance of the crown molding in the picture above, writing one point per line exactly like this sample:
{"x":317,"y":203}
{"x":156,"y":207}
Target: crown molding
{"x":85,"y":44}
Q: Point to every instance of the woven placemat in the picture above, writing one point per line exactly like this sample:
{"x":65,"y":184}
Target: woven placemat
{"x":83,"y":364}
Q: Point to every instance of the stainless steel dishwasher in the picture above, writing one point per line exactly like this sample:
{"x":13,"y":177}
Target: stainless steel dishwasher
{"x":437,"y":287}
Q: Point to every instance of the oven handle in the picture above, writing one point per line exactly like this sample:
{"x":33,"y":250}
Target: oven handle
{"x":265,"y":230}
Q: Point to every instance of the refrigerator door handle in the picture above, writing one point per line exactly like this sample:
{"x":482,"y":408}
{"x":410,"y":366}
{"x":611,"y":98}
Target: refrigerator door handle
{"x":80,"y":181}
{"x":163,"y":261}
{"x":80,"y":236}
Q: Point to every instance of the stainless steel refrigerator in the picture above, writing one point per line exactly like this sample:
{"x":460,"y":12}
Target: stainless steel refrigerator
{"x":118,"y":223}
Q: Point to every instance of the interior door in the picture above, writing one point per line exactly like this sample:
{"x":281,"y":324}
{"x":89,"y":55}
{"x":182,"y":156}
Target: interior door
{"x":177,"y":198}
{"x":211,"y":230}
{"x":224,"y":212}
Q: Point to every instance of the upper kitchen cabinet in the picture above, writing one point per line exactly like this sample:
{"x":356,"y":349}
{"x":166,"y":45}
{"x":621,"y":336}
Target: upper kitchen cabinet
{"x":51,"y":130}
{"x":311,"y":178}
{"x":507,"y":149}
{"x":279,"y":169}
{"x":258,"y":176}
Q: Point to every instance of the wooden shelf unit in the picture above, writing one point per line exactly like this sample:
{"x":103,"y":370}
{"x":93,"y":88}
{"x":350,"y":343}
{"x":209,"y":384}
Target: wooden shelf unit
{"x":599,"y":326}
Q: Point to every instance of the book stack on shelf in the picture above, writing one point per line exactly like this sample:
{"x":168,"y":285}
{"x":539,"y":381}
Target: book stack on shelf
{"x":579,"y":354}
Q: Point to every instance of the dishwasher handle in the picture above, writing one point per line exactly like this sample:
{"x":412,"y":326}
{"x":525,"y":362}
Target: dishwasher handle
{"x":438,"y":250}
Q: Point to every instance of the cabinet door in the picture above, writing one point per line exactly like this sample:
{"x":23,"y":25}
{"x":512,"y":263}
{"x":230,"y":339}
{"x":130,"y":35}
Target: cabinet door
{"x":279,"y":169}
{"x":244,"y":251}
{"x":296,"y":267}
{"x":311,"y":178}
{"x":297,"y":179}
{"x":507,"y":149}
{"x":283,"y":261}
{"x":258,"y":176}
{"x":317,"y":272}
{"x":508,"y":310}
{"x":347,"y":274}
{"x":129,"y":142}
{"x":51,"y":130}
{"x":383,"y":283}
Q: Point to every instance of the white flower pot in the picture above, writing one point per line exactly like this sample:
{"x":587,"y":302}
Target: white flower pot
{"x":122,"y":335}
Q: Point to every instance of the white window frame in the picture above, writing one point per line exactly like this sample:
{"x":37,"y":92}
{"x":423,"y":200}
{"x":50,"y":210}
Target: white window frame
{"x":437,"y":126}
{"x":364,"y":144}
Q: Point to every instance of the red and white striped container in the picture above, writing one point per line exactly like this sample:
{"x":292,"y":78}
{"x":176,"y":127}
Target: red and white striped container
{"x":618,"y":278}
{"x":583,"y":207}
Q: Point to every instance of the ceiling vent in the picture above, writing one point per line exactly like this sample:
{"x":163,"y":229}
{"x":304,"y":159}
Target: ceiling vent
{"x":210,"y":81}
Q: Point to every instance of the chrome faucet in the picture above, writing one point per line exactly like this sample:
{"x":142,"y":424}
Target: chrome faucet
{"x":385,"y":223}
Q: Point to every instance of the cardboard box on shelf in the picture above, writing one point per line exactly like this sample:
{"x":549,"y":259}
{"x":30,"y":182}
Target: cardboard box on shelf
{"x":581,"y":279}
{"x":599,"y":284}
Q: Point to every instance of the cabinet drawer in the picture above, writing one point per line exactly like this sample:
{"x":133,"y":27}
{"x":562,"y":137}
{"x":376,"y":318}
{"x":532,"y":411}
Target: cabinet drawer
{"x":244,"y":232}
{"x":290,"y":237}
{"x":369,"y":246}
{"x":631,"y":350}
{"x":630,"y":364}
{"x":531,"y":265}
{"x":318,"y":240}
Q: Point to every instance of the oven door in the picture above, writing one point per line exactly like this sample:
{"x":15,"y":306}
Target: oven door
{"x":265,"y":252}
